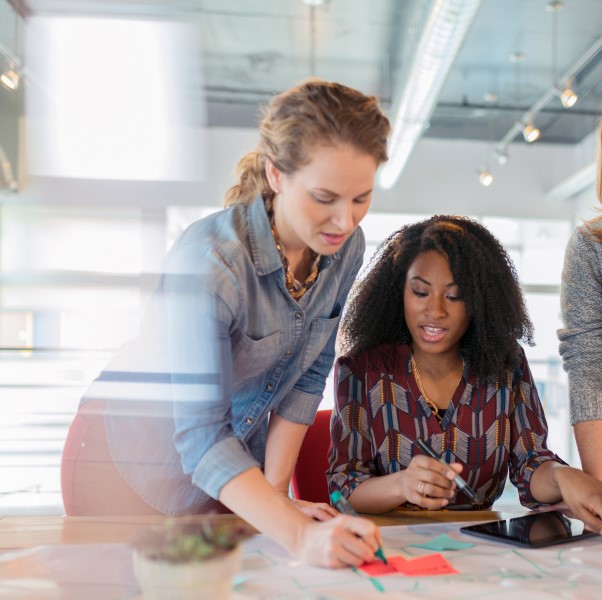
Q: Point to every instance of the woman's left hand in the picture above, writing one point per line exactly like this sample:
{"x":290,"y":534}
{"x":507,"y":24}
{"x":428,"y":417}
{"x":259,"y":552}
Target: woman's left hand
{"x":582,"y":494}
{"x":320,"y":511}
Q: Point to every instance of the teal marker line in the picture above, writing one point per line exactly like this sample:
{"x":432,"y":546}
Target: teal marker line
{"x":375,"y":582}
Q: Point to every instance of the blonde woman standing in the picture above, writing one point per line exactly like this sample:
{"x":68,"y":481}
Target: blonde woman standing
{"x":240,"y":339}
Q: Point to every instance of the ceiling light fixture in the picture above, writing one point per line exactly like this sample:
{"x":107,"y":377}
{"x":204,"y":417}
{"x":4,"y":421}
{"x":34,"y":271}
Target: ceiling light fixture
{"x":314,"y":2}
{"x":485,"y":177}
{"x":10,"y":77}
{"x":554,"y":5}
{"x":531,"y":133}
{"x":501,"y":156}
{"x":549,"y":94}
{"x":568,"y":98}
{"x":445,"y":30}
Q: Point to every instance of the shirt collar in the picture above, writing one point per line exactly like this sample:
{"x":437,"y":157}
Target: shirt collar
{"x":265,"y":255}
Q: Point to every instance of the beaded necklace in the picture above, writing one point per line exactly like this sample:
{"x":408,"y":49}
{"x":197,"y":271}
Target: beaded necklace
{"x":294,"y":287}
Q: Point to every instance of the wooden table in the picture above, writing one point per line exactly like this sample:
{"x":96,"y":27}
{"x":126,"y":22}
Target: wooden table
{"x":30,"y":531}
{"x":419,"y":517}
{"x":69,"y":558}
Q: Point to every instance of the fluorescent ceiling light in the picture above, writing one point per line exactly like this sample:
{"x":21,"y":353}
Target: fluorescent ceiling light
{"x":437,"y":48}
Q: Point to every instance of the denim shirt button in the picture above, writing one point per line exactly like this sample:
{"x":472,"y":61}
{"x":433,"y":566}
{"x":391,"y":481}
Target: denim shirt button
{"x":298,"y":315}
{"x":269,"y":387}
{"x":288,"y":352}
{"x":249,"y":421}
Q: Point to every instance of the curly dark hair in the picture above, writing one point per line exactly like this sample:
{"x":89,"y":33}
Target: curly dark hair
{"x":484,"y":274}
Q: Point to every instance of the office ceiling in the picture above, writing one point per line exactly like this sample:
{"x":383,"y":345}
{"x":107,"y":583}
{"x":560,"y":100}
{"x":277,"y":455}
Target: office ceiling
{"x":253,"y":48}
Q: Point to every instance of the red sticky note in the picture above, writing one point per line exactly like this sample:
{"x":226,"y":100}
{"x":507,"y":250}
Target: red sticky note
{"x":432,"y":564}
{"x":424,"y":566}
{"x":378,"y":567}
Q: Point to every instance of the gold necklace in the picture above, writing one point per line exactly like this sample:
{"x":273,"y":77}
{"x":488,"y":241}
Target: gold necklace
{"x":295,"y":288}
{"x":434,"y":408}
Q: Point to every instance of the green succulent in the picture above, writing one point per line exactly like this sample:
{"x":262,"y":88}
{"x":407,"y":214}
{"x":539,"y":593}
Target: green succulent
{"x":178,"y":542}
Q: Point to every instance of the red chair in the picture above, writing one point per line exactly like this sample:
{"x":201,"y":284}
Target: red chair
{"x":309,"y":477}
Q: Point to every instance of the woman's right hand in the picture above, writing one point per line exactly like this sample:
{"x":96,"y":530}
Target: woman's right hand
{"x":428,"y":483}
{"x":339,"y":542}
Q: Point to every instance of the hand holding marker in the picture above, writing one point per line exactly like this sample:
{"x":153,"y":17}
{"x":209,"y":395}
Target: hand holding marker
{"x":342,"y":505}
{"x":462,"y":485}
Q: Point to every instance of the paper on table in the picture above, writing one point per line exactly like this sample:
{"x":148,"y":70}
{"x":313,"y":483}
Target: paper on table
{"x":443,"y":542}
{"x":432,"y":564}
{"x":424,"y":566}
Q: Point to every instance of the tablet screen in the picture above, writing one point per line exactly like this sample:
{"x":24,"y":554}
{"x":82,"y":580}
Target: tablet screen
{"x":533,"y":531}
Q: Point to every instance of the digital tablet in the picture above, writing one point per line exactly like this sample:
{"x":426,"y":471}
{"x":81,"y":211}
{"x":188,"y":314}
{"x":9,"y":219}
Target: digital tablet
{"x":532,"y":531}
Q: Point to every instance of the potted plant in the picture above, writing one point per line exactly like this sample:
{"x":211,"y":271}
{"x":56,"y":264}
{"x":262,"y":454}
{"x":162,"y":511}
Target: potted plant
{"x":189,"y":559}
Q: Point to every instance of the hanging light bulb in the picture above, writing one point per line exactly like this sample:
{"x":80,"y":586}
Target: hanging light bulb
{"x":10,"y":77}
{"x":485,"y":177}
{"x":531,"y":133}
{"x":568,"y":97}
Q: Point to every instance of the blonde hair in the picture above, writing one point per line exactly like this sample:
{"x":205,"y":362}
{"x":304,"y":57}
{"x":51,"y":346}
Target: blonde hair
{"x":313,"y":113}
{"x":596,"y":232}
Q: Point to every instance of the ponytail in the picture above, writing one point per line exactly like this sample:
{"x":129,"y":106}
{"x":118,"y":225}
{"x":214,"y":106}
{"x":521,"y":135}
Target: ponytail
{"x":252,"y":180}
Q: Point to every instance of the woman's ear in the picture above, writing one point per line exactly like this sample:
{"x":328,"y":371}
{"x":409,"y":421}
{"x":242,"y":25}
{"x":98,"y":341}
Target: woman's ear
{"x":274,"y":175}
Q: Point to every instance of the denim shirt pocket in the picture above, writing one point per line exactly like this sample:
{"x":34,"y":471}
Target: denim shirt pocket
{"x":319,"y":333}
{"x":253,"y":357}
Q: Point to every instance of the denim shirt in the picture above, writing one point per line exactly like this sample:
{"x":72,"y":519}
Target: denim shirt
{"x":222,"y":344}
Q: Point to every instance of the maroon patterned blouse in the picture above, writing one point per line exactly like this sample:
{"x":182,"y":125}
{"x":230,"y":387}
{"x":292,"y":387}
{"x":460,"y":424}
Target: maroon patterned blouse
{"x":489,"y":429}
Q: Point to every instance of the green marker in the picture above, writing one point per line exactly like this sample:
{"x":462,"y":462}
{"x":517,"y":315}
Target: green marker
{"x":342,"y":505}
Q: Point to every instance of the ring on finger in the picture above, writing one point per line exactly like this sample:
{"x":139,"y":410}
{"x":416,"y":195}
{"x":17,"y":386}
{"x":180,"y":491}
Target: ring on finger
{"x":421,"y":488}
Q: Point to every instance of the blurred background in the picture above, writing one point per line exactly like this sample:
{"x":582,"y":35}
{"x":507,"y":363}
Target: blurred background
{"x":121,"y":122}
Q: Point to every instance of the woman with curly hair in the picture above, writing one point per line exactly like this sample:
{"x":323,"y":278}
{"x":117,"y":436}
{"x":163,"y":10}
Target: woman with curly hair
{"x":431,"y":352}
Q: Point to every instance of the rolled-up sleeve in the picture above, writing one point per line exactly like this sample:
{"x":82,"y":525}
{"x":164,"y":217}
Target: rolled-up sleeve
{"x":581,"y":337}
{"x":350,"y":455}
{"x":528,"y":436}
